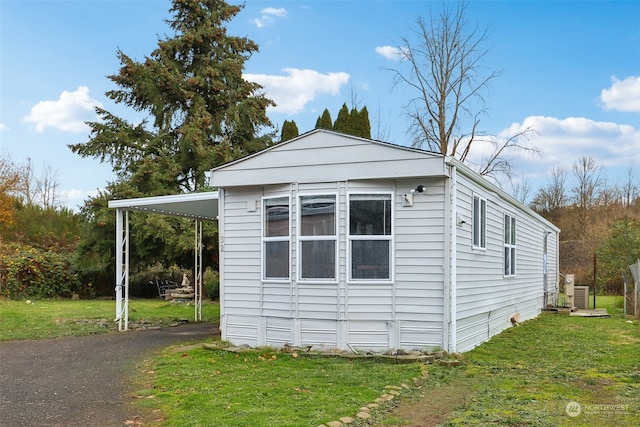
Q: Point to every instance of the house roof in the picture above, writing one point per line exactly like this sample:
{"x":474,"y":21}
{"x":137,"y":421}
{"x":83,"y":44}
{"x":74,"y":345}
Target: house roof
{"x":321,"y":155}
{"x":192,"y":205}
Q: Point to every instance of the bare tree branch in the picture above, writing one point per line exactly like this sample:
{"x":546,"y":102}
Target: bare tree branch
{"x":444,"y":70}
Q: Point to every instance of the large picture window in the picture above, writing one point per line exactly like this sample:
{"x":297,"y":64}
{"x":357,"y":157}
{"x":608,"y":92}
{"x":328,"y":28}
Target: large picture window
{"x":479,"y":222}
{"x":317,"y":235}
{"x":509,"y":245}
{"x":370,"y":236}
{"x":276,"y":238}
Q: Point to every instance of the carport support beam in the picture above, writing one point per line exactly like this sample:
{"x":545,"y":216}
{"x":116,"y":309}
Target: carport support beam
{"x":122,"y":269}
{"x":197,"y":270}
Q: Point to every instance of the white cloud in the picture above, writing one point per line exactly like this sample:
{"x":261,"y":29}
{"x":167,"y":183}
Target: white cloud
{"x":280,"y":12}
{"x":67,"y":114}
{"x":75,"y":198}
{"x":623,"y":95}
{"x":268,"y":15}
{"x":3,"y":127}
{"x":292,"y":92}
{"x":391,"y":53}
{"x":563,"y":141}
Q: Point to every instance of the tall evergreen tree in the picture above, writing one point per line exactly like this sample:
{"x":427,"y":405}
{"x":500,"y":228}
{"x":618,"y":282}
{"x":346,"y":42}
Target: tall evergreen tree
{"x":202,"y":112}
{"x":324,"y":121}
{"x":362,"y":127}
{"x":289,"y":130}
{"x":352,"y":122}
{"x":342,"y":124}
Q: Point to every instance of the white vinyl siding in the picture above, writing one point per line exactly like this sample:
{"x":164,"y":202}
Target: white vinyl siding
{"x":419,"y":236}
{"x":479,"y":222}
{"x":486,"y":298}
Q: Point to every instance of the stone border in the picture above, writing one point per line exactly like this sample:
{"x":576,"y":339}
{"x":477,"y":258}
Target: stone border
{"x":391,"y":392}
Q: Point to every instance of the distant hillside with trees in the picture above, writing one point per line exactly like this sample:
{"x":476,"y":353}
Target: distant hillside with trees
{"x":600,"y":222}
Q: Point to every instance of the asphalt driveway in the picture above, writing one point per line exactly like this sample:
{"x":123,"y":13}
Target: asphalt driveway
{"x":79,"y":381}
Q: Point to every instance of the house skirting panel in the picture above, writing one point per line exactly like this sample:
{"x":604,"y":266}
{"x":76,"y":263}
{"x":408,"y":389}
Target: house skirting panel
{"x":420,"y":335}
{"x":474,"y":330}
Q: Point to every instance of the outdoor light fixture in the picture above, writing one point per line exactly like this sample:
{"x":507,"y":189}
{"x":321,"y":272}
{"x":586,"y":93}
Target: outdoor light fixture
{"x":407,"y":198}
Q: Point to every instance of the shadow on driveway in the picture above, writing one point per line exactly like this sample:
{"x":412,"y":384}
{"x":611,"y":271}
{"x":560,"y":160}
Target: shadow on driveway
{"x":79,"y":381}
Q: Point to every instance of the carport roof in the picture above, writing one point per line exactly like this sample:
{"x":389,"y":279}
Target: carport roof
{"x":192,"y":205}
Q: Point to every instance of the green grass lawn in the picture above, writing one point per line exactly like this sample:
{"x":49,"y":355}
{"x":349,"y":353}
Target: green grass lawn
{"x":56,"y":318}
{"x":200,"y":387}
{"x":525,"y":376}
{"x":528,"y":375}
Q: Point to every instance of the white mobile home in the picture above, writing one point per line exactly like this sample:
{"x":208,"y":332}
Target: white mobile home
{"x":341,"y":242}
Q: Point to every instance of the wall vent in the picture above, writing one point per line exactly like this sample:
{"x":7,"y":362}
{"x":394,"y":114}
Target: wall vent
{"x":581,"y":297}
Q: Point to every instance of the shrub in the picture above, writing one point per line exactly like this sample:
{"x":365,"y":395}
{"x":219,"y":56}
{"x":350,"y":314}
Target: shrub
{"x":615,"y":253}
{"x":30,"y":272}
{"x":211,"y":283}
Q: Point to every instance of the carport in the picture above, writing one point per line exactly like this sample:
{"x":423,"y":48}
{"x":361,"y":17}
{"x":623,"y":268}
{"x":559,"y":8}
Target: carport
{"x":197,"y":206}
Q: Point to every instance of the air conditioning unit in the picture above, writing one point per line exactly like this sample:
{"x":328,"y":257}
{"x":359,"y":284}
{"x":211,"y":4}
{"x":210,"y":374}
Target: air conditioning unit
{"x":581,"y":297}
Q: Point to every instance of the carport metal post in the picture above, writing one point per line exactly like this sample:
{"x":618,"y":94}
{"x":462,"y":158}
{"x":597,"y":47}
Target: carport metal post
{"x":197,"y":266}
{"x":122,"y":269}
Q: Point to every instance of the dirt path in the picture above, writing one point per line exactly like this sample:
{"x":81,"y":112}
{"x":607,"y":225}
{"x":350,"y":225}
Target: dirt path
{"x":432,"y":407}
{"x":80,"y":381}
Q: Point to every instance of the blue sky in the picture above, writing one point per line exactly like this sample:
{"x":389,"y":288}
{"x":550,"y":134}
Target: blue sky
{"x":569,"y":69}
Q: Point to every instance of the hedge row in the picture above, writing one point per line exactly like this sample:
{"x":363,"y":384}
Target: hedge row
{"x":29,"y":272}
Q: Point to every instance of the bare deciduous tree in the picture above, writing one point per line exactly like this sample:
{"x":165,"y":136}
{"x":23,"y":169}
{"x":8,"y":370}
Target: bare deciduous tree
{"x":609,"y":194}
{"x":588,"y":175}
{"x":553,"y":195}
{"x":448,"y":79}
{"x":630,"y":188}
{"x":521,"y":191}
{"x":26,"y":186}
{"x":38,"y":190}
{"x":47,"y":188}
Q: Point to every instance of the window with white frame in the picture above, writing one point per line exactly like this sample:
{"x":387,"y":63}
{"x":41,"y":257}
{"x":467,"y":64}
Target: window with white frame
{"x":370,"y":236}
{"x":317,"y":237}
{"x":276,"y":238}
{"x":509,"y":245}
{"x":479,"y":222}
